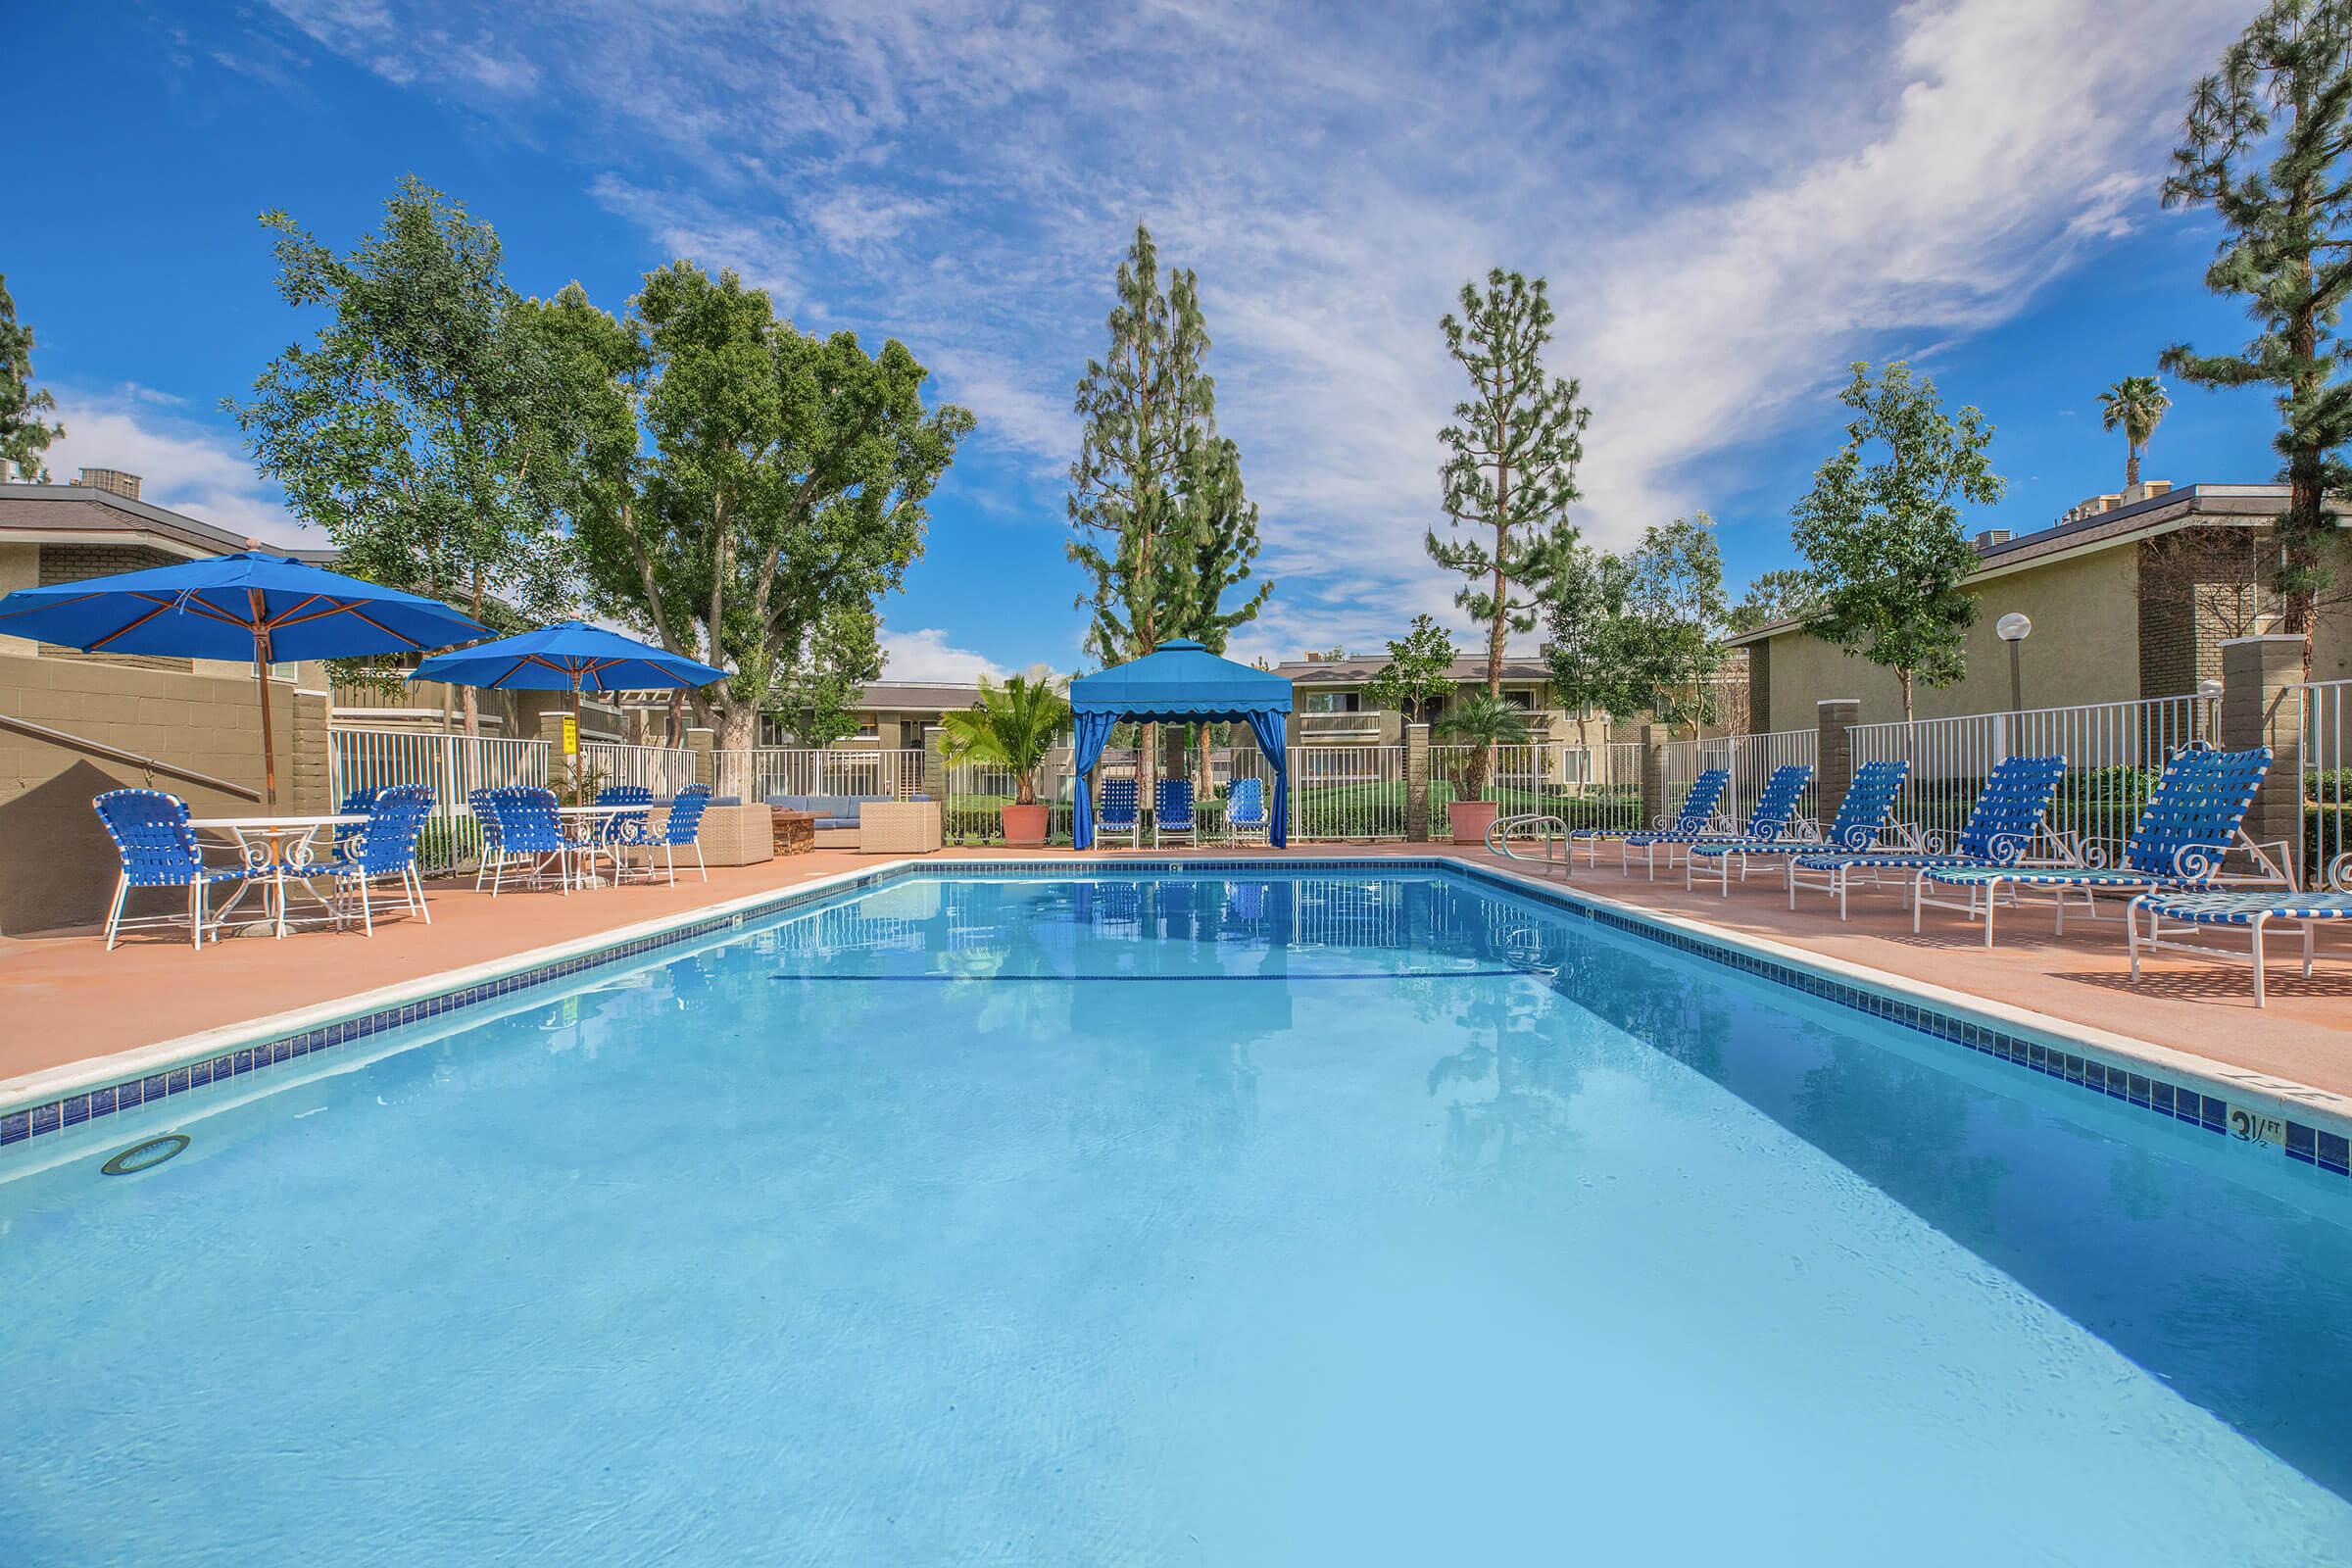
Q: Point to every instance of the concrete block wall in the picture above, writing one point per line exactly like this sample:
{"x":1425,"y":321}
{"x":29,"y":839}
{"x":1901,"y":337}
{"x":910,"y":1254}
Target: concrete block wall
{"x":57,"y":867}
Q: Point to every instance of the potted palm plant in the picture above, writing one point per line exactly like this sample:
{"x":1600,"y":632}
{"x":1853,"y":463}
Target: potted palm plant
{"x":1014,"y":727}
{"x":1481,"y":723}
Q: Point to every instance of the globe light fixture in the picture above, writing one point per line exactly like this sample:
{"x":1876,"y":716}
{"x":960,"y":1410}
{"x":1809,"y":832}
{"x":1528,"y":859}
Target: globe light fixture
{"x":2013,"y":630}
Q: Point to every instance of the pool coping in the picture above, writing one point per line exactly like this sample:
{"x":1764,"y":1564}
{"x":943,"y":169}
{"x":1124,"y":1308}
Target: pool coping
{"x":2309,"y":1125}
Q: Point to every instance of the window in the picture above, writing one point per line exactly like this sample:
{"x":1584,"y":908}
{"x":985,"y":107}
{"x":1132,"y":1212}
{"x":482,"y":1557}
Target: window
{"x":1334,"y":701}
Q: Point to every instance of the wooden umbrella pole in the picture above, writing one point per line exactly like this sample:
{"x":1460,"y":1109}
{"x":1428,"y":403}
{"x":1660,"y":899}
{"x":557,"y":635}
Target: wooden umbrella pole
{"x":261,"y":678}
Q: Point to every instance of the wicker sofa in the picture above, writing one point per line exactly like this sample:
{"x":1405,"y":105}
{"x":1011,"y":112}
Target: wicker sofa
{"x":840,"y":817}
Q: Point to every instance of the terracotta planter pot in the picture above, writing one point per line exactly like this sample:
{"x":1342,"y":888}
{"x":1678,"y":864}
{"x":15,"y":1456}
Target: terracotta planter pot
{"x":1025,"y":826}
{"x":1470,"y":819}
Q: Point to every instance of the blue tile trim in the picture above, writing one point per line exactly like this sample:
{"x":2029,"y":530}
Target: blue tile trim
{"x":2314,"y":1146}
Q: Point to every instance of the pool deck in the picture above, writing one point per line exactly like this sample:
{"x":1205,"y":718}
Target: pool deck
{"x":65,"y":999}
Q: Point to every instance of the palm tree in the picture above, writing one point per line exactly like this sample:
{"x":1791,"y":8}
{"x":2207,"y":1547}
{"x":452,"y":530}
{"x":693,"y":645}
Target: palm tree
{"x":1014,"y":726}
{"x":2137,"y":404}
{"x":1481,"y":721}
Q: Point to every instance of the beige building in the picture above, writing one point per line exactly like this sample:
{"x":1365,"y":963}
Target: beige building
{"x":2131,"y":597}
{"x":74,"y":725}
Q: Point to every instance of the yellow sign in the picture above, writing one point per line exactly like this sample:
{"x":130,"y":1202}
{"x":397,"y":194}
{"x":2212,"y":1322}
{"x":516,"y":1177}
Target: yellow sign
{"x":572,"y":735}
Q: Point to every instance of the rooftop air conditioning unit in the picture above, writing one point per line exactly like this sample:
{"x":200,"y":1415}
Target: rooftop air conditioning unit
{"x":1994,"y":536}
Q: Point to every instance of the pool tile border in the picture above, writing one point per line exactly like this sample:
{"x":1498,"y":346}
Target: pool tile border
{"x":2320,"y":1147}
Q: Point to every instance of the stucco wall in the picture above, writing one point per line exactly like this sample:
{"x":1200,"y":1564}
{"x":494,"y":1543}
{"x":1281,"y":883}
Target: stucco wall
{"x":56,"y":865}
{"x":2085,"y":649}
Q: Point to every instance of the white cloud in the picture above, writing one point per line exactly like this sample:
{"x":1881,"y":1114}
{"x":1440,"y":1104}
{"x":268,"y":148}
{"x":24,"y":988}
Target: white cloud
{"x":184,"y":466}
{"x":1804,"y":183}
{"x":928,"y":655}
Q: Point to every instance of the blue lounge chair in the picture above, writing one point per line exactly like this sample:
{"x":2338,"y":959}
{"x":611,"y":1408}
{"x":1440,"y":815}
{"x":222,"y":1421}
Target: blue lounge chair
{"x":1121,"y":816}
{"x":1693,"y":822}
{"x":1172,"y":811}
{"x":530,"y":831}
{"x":681,"y":828}
{"x":2191,"y":825}
{"x":1772,"y":818}
{"x":1246,"y":811}
{"x":385,"y":847}
{"x":2248,"y":911}
{"x":357,"y":803}
{"x":1860,"y":820}
{"x":157,"y":848}
{"x":2001,"y":827}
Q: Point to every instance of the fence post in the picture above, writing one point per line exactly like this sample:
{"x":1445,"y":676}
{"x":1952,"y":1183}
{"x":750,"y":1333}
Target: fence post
{"x":699,"y":742}
{"x":1834,"y":752}
{"x":1416,"y":783}
{"x":2259,"y":676}
{"x":1653,"y":773}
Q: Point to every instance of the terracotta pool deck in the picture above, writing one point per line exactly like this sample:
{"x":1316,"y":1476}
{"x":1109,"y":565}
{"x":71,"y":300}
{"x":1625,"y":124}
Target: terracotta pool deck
{"x":65,"y":999}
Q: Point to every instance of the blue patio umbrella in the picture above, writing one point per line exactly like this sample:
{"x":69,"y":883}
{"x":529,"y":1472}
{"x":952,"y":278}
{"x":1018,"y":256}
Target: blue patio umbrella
{"x":570,"y":656}
{"x":247,"y":605}
{"x":566,"y":656}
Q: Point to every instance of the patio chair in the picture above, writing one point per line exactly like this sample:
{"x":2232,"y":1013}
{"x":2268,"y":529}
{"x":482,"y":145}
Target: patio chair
{"x":1246,"y":811}
{"x":484,"y":805}
{"x":385,"y":847}
{"x":2000,"y":829}
{"x":1172,"y":811}
{"x":1775,"y":812}
{"x":623,"y":828}
{"x":1695,"y":819}
{"x":2192,"y":824}
{"x":1861,"y":818}
{"x":2250,"y":911}
{"x":681,"y":828}
{"x":1121,"y":816}
{"x":355,"y":803}
{"x":530,"y":831}
{"x":157,"y":848}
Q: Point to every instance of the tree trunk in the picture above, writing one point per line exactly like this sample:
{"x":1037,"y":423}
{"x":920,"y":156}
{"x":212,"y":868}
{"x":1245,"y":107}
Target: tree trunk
{"x":1205,"y":779}
{"x":2131,"y":466}
{"x":1904,"y":676}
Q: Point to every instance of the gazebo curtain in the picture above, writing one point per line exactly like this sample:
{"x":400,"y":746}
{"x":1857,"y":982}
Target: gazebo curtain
{"x":1094,"y":735}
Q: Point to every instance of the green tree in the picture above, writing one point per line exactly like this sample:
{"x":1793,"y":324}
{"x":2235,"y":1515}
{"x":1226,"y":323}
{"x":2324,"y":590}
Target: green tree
{"x":1772,"y":597}
{"x":1222,"y":523}
{"x":1147,"y":407}
{"x":24,"y":433}
{"x":1883,"y":539}
{"x":1512,"y":454}
{"x":421,"y":429}
{"x":1591,"y":648}
{"x":2265,"y":143}
{"x":819,"y":693}
{"x":747,"y":490}
{"x":1419,"y":670}
{"x":2137,"y":404}
{"x":1014,"y":726}
{"x":1672,"y":644}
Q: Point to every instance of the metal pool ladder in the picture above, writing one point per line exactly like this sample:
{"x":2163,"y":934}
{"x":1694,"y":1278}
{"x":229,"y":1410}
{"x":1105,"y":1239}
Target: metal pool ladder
{"x":1552,"y":831}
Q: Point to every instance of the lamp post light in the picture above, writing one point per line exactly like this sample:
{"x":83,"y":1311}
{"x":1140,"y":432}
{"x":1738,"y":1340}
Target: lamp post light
{"x":2013,"y":630}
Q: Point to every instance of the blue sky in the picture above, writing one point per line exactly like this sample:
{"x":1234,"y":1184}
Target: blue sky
{"x":1731,"y":201}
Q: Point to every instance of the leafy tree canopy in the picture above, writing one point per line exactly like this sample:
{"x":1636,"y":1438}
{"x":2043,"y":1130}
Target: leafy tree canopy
{"x":1785,"y":594}
{"x":2135,"y":405}
{"x":747,"y":490}
{"x":1419,"y":670}
{"x":24,"y":433}
{"x":1883,"y":538}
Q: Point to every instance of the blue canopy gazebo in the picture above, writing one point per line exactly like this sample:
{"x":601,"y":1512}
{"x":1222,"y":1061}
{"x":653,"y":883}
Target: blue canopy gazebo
{"x":1182,"y":683}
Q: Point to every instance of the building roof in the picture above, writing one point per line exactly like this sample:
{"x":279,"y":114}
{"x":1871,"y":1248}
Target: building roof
{"x":1358,"y":669}
{"x":75,"y":513}
{"x":918,"y":696}
{"x":2239,"y":506}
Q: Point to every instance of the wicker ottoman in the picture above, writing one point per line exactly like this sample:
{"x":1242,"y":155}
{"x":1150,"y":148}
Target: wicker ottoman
{"x":738,"y":835}
{"x":898,"y":827}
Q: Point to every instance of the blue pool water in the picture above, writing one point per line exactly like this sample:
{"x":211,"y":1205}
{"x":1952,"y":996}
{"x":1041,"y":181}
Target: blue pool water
{"x":1346,"y":1218}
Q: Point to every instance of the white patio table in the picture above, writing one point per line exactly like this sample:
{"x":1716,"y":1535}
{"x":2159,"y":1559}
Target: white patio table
{"x":283,"y":847}
{"x":582,"y":820}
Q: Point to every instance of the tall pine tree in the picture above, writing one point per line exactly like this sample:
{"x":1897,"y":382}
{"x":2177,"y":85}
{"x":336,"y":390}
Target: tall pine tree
{"x":1160,"y":519}
{"x":1514,"y":448}
{"x":2266,"y":143}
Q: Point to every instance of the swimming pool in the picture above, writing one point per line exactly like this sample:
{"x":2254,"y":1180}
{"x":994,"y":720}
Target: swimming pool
{"x":1214,"y":1219}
